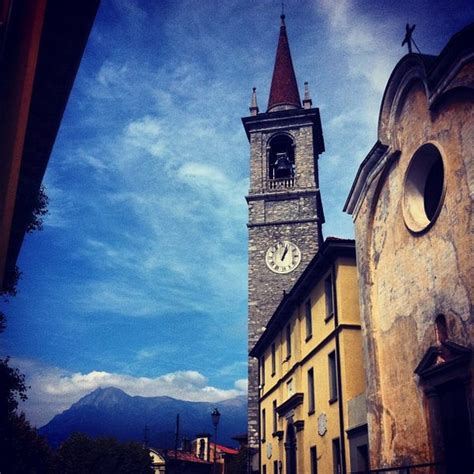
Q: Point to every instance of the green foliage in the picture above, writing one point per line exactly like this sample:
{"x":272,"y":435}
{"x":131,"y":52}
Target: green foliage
{"x":12,"y":388}
{"x":10,"y":281}
{"x":38,"y":211}
{"x":34,"y":221}
{"x":3,"y":322}
{"x":22,"y":449}
{"x":80,"y":454}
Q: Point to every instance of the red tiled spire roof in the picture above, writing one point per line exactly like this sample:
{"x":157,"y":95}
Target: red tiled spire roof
{"x":284,"y":90}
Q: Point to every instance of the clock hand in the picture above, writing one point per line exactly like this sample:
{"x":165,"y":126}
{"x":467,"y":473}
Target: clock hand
{"x":284,"y":253}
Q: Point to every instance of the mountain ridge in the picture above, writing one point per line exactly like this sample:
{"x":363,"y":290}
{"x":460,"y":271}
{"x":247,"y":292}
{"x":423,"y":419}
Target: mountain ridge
{"x":110,"y":411}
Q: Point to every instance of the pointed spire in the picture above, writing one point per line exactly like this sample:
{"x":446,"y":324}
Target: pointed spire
{"x":253,"y":103}
{"x":284,"y":89}
{"x":307,"y":102}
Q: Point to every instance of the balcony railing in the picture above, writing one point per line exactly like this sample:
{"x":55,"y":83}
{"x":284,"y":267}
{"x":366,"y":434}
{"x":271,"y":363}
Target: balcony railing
{"x":281,"y":183}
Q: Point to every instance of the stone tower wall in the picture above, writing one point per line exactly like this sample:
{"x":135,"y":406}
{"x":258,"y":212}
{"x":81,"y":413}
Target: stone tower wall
{"x":275,"y":215}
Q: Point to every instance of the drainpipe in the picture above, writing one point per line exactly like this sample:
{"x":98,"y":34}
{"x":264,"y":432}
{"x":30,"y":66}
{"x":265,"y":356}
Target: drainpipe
{"x":338,"y":372}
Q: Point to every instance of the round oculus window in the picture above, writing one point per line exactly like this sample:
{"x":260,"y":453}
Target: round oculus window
{"x":424,"y":188}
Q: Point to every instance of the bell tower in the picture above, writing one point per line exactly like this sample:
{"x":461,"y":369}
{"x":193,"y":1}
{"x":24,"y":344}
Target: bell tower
{"x":284,"y":203}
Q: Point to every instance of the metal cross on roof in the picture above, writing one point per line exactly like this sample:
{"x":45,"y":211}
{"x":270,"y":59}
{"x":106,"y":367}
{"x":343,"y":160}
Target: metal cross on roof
{"x":408,"y":37}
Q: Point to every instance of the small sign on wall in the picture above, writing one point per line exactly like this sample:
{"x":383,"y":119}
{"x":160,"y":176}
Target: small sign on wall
{"x":322,"y":424}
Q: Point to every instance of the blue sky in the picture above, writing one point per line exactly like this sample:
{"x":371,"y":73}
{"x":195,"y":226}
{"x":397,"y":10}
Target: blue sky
{"x":138,"y":279}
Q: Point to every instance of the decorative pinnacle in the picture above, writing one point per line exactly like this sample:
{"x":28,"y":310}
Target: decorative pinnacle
{"x":307,"y":102}
{"x":253,"y":102}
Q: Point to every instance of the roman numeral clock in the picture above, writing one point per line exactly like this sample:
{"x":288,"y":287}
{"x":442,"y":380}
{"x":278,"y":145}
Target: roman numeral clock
{"x":283,"y":257}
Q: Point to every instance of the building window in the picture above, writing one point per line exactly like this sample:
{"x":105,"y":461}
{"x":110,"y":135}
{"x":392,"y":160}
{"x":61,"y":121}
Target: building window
{"x":311,"y":406}
{"x":262,"y":370}
{"x":329,"y":296}
{"x":273,"y":359}
{"x":275,"y":417}
{"x":202,"y":447}
{"x":336,"y":456}
{"x":308,"y":319}
{"x":332,"y":377}
{"x":275,"y":467}
{"x":288,"y":341}
{"x":424,"y":188}
{"x":263,"y":426}
{"x":264,"y":469}
{"x":314,"y":460}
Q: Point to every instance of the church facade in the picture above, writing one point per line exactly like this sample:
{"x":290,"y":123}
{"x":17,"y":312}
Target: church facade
{"x":284,"y":204}
{"x":411,"y":202}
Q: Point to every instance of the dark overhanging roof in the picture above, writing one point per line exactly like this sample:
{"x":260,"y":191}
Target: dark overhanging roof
{"x":332,"y":248}
{"x":66,"y":29}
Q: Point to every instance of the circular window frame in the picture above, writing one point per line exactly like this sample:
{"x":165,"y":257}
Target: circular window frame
{"x":413,"y":203}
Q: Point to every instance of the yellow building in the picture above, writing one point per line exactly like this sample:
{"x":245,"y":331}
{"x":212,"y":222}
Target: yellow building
{"x":312,"y":386}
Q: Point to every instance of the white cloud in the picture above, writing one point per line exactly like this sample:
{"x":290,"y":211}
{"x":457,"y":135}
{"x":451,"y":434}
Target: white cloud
{"x":95,"y":163}
{"x":119,"y":297}
{"x":53,"y":390}
{"x":360,"y":37}
{"x":60,"y":204}
{"x":147,"y":134}
{"x":110,"y":74}
{"x":241,"y":385}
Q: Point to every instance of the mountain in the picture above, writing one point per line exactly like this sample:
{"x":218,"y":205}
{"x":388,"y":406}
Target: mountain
{"x":111,"y":412}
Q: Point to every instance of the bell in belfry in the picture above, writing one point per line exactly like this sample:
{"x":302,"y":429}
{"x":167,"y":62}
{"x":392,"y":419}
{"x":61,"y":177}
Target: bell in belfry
{"x":283,"y":168}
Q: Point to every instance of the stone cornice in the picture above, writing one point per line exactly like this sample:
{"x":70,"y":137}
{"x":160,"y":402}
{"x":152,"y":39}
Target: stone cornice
{"x":293,"y":402}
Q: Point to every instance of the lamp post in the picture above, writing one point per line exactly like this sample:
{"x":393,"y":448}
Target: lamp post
{"x":215,"y":415}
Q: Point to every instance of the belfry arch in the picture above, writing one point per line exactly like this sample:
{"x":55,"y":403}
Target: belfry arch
{"x":281,"y":157}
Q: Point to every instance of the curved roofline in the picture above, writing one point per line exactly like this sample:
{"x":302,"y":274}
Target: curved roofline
{"x":409,"y":69}
{"x":430,"y":70}
{"x":438,"y":76}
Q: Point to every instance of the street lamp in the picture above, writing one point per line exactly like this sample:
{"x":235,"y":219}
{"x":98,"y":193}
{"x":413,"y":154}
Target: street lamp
{"x":215,"y":415}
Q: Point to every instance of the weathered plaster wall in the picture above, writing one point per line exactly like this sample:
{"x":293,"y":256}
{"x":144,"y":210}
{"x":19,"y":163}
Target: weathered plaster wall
{"x":407,"y":279}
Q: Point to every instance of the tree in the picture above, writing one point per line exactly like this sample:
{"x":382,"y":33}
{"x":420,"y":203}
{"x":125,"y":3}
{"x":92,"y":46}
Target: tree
{"x":39,"y":209}
{"x":34,"y":221}
{"x":80,"y":454}
{"x":22,"y":450}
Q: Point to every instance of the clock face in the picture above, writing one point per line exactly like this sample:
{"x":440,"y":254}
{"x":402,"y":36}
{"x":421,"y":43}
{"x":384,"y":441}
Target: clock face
{"x":283,"y":257}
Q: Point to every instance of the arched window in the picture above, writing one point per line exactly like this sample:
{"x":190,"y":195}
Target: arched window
{"x":281,"y":161}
